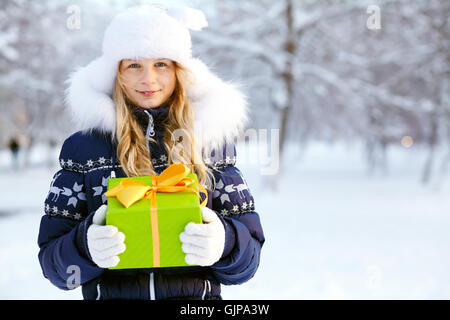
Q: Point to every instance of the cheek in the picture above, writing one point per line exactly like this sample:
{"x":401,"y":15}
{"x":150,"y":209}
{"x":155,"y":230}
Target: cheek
{"x":128,"y":80}
{"x":129,"y":92}
{"x":170,"y":81}
{"x":128,"y":87}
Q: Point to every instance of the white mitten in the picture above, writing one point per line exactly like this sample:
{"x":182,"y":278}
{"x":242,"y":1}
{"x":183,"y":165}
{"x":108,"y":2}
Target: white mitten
{"x":204,"y":243}
{"x":104,"y":242}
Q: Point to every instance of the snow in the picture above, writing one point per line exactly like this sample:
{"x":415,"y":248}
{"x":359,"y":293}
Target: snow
{"x":332,"y":231}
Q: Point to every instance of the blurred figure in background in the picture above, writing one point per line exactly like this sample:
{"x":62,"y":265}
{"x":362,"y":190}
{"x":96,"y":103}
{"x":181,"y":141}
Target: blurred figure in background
{"x":14,"y":147}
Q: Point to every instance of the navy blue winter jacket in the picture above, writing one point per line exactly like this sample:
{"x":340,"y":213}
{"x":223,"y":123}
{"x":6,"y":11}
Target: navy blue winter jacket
{"x":88,"y":160}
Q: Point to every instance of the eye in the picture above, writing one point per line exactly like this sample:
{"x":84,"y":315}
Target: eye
{"x":134,"y":65}
{"x":160,"y":64}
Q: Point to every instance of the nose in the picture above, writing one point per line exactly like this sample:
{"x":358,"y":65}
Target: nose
{"x":149,"y":76}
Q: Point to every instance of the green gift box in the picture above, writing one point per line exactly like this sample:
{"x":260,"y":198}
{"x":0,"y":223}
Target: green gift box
{"x":174,"y":211}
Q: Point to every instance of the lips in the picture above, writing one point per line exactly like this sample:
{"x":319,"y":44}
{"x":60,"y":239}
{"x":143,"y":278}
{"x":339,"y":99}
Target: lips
{"x":148,"y":93}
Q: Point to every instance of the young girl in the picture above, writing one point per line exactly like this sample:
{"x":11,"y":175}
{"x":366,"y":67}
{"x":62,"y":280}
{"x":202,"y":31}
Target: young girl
{"x":144,"y":104}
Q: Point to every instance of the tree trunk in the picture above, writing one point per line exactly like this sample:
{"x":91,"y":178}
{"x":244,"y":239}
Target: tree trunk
{"x":288,"y":78}
{"x":432,"y":140}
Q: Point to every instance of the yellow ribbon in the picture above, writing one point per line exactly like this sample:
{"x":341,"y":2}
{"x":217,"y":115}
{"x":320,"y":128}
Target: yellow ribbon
{"x":173,"y":179}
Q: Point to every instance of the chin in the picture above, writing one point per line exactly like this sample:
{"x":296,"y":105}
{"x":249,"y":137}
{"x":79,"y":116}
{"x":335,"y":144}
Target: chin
{"x":150,"y":106}
{"x":147,"y":105}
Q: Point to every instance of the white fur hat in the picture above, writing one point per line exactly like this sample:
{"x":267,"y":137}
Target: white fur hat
{"x":150,"y":31}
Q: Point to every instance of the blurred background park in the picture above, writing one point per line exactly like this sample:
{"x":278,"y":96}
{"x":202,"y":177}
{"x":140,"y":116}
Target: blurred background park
{"x":357,"y":92}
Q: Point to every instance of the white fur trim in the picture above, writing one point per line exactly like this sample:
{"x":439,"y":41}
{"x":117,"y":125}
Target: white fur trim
{"x":220,"y":108}
{"x":88,"y":96}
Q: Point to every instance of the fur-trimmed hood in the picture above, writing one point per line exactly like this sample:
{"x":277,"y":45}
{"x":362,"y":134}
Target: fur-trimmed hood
{"x":220,"y":108}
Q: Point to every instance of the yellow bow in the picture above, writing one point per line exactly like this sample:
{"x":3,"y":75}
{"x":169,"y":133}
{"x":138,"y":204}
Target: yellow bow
{"x":173,"y":179}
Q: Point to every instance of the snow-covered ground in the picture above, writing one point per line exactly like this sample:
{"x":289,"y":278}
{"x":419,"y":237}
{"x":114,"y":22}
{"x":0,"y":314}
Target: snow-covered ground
{"x":332,"y":231}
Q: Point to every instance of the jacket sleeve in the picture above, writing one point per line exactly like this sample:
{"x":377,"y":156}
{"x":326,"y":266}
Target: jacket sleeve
{"x":62,"y":234}
{"x":235,"y":206}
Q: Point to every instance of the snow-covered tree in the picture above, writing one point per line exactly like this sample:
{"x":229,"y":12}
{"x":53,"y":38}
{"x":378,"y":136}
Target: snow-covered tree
{"x":316,"y":70}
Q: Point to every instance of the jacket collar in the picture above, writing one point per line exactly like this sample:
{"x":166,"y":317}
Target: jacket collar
{"x":158,"y":116}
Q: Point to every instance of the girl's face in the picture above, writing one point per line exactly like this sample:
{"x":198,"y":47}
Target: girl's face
{"x":148,"y":83}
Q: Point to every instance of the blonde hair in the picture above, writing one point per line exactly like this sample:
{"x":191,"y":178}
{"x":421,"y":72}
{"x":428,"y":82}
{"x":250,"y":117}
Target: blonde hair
{"x":131,"y":142}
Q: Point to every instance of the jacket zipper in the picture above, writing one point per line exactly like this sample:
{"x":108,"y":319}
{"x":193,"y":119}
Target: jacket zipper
{"x":150,"y":127}
{"x":150,"y":133}
{"x":150,"y":130}
{"x":151,"y":287}
{"x":99,"y":292}
{"x":206,"y":289}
